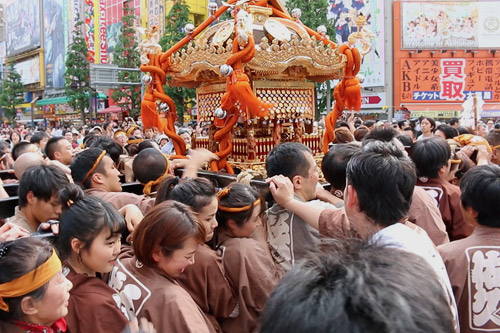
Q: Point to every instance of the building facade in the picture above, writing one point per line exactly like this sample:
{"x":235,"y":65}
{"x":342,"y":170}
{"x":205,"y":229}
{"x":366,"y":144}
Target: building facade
{"x":35,"y":34}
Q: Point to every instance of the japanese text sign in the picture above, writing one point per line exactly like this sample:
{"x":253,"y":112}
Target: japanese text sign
{"x":448,"y":79}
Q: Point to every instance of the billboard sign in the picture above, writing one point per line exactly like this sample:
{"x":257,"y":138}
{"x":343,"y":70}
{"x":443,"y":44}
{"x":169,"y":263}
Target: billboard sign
{"x":2,"y":53}
{"x":450,"y":25}
{"x":156,"y":15}
{"x":113,"y":32}
{"x":448,"y":79}
{"x":55,"y":49}
{"x":29,"y":69}
{"x":89,"y":29}
{"x":362,"y":23}
{"x":22,"y":19}
{"x":101,"y":43}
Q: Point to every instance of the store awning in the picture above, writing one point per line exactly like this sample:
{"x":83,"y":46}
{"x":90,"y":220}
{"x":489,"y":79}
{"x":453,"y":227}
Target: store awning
{"x":61,"y":100}
{"x":449,"y":110}
{"x":435,"y":110}
{"x":111,"y":109}
{"x":100,"y":96}
{"x":372,"y":111}
{"x":50,"y":101}
{"x":490,"y":110}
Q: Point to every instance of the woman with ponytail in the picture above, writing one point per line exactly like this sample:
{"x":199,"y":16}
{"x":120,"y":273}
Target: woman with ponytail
{"x":89,"y":243}
{"x":247,"y":262}
{"x":205,"y":280}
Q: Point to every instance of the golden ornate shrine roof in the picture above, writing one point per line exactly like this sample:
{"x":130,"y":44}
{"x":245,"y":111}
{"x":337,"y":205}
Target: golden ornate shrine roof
{"x":284,"y":51}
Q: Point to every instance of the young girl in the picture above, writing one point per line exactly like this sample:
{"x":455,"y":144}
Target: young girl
{"x":89,"y":242}
{"x":205,"y":281}
{"x":248,"y":263}
{"x":33,"y":291}
{"x":164,"y":243}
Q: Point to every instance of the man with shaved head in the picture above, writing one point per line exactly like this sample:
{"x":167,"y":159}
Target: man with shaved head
{"x":25,"y":161}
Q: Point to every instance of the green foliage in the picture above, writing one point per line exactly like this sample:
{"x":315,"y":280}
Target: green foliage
{"x":76,"y":76}
{"x":176,"y":19}
{"x":11,"y":92}
{"x":226,"y":16}
{"x":313,"y":15}
{"x":126,"y":56}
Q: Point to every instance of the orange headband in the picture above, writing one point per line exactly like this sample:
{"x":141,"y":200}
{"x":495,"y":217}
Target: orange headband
{"x":495,"y":147}
{"x":149,"y":185}
{"x":30,"y":281}
{"x":131,"y":129}
{"x":131,"y":142}
{"x":118,"y":133}
{"x":222,"y":193}
{"x":94,"y":166}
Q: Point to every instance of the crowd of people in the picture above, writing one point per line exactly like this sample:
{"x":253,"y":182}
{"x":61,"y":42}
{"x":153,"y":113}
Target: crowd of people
{"x":405,"y":239}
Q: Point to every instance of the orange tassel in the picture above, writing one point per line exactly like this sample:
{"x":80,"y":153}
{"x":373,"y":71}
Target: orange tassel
{"x":352,"y":93}
{"x":149,"y":114}
{"x":238,"y":89}
{"x":238,"y":85}
{"x":347,"y":93}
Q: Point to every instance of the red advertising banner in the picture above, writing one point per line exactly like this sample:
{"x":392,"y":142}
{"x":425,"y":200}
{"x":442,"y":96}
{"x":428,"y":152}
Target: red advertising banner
{"x":448,"y":79}
{"x":89,"y":29}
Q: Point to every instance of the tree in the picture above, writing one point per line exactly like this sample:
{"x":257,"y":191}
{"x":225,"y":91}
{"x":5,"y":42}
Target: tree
{"x":177,"y":18}
{"x":314,"y":14}
{"x":126,"y":56}
{"x":76,"y":76}
{"x":12,"y":92}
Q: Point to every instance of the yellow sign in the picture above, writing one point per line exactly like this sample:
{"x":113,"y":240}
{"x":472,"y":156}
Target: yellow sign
{"x":436,"y":114}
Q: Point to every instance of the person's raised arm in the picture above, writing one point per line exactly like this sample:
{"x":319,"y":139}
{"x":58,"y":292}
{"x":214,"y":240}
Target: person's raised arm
{"x":3,"y":193}
{"x":282,"y":190}
{"x":133,"y":216}
{"x":10,"y":231}
{"x":191,"y":166}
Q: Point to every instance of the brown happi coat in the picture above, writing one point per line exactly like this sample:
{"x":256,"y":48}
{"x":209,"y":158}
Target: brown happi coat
{"x":473,"y":267}
{"x":333,"y":223}
{"x":93,"y":305}
{"x":148,"y":292}
{"x":253,"y":273}
{"x":447,"y":198}
{"x":289,"y":237}
{"x":206,"y":282}
{"x":424,"y":213}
